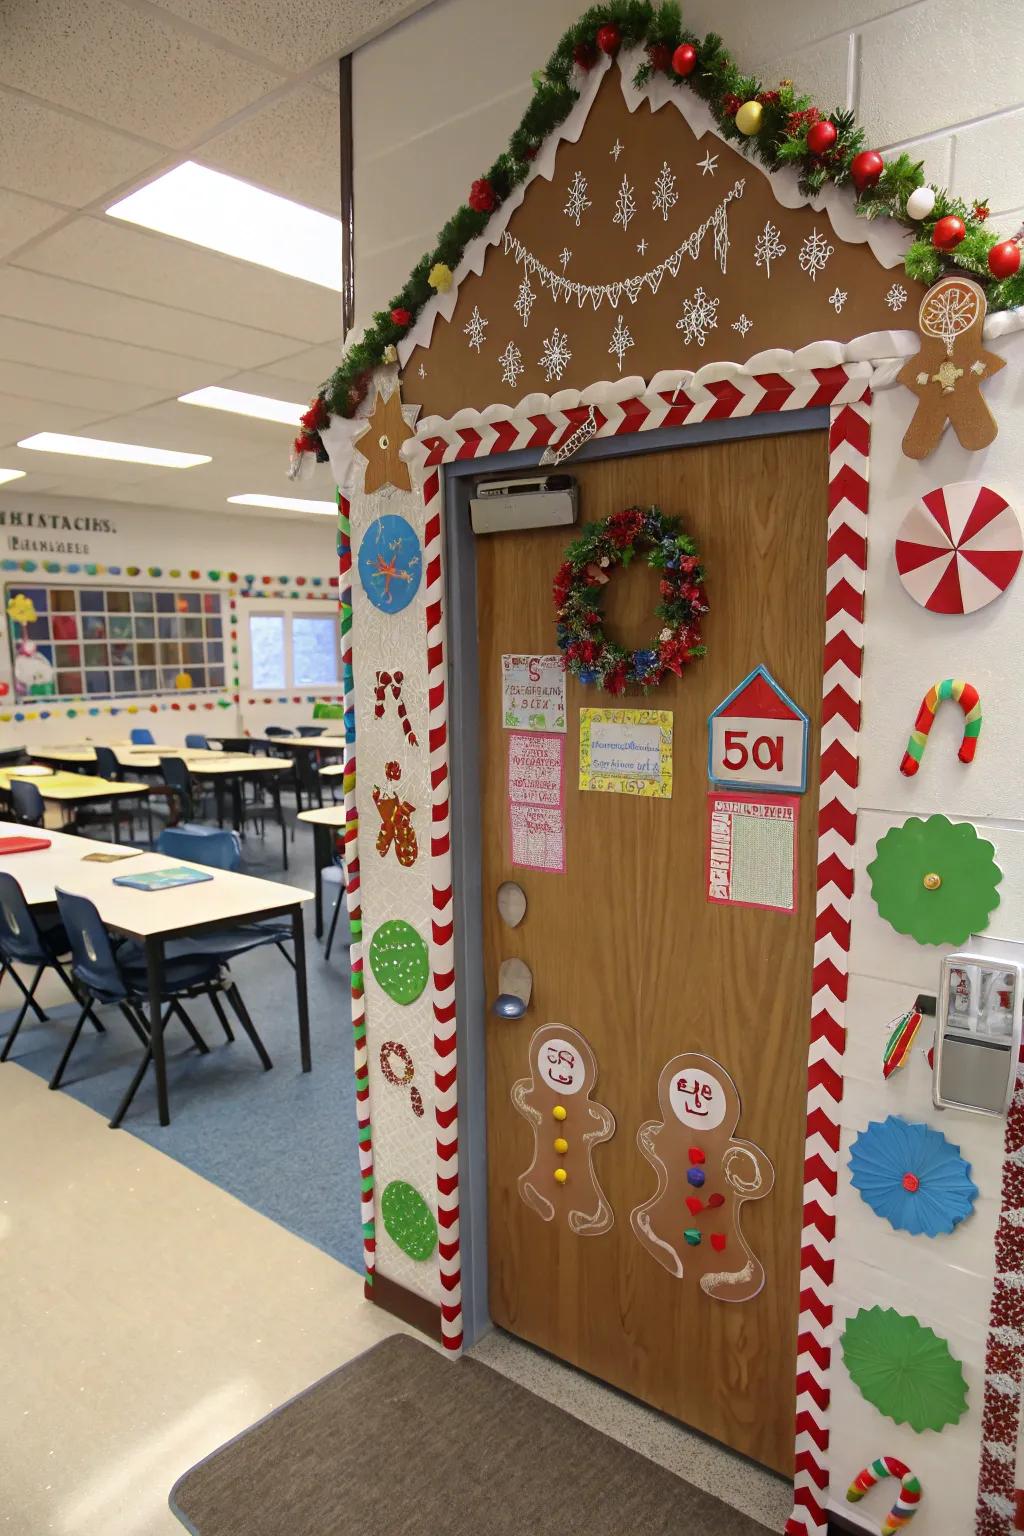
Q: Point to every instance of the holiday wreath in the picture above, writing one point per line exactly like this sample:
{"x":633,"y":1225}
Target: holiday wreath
{"x":590,"y":655}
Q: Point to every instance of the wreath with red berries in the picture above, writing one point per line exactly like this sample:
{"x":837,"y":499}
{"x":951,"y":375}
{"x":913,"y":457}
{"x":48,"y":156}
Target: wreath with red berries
{"x":587,"y":567}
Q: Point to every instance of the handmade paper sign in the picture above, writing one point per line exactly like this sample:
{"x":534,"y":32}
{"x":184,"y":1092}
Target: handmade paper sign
{"x":535,"y":799}
{"x":533,"y":693}
{"x":751,"y":851}
{"x":757,"y":738}
{"x":627,"y":751}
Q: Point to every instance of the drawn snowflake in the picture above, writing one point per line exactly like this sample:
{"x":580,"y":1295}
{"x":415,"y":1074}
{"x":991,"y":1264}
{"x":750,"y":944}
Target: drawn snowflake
{"x":422,"y":371}
{"x":622,"y":340}
{"x":616,"y":149}
{"x":511,"y":364}
{"x":565,"y":257}
{"x":709,"y":165}
{"x":625,"y":204}
{"x":525,"y":300}
{"x":743,"y":325}
{"x":556,"y":356}
{"x":814,"y":253}
{"x":578,"y":202}
{"x":700,"y":315}
{"x":664,"y":195}
{"x":838,"y":299}
{"x":641,"y":246}
{"x":475,"y":329}
{"x":768,"y":247}
{"x":896,"y":297}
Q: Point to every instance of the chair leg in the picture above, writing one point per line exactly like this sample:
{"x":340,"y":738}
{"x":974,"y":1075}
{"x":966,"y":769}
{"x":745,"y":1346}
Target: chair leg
{"x":218,"y":1009}
{"x":288,"y":957}
{"x":55,"y":1079}
{"x":97,"y":1023}
{"x":7,"y":969}
{"x":132,"y":1088}
{"x":29,"y":993}
{"x":235,"y":999}
{"x":196,"y":1038}
{"x":138,"y":1028}
{"x":334,"y":922}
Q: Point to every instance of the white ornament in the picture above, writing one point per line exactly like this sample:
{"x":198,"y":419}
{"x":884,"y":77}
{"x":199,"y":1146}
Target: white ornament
{"x":475,"y":329}
{"x":814,"y":254}
{"x":838,"y":299}
{"x":622,"y":340}
{"x":896,"y":297}
{"x":578,"y":201}
{"x":641,"y":246}
{"x":511,"y":364}
{"x":743,"y":325}
{"x":709,"y":165}
{"x":664,"y":195}
{"x":525,"y":300}
{"x":616,"y":149}
{"x":556,"y":356}
{"x":920,"y":202}
{"x":625,"y":204}
{"x":565,"y":257}
{"x":700,"y":315}
{"x":768,"y":247}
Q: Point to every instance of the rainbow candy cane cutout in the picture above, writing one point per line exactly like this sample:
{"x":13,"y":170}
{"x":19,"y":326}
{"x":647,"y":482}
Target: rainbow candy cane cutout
{"x":909,"y":1497}
{"x":967,"y":696}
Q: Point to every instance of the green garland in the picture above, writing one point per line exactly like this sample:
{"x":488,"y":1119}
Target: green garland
{"x":780,"y":141}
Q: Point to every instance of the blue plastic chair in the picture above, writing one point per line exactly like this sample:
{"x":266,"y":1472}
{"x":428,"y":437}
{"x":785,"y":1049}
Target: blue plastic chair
{"x":334,"y":874}
{"x":107,"y":765}
{"x":197,"y":742}
{"x":218,"y":848}
{"x":106,"y":975}
{"x":179,"y":781}
{"x":277,"y":730}
{"x":27,"y":803}
{"x":312,"y":730}
{"x":24,"y":940}
{"x":142,"y":737}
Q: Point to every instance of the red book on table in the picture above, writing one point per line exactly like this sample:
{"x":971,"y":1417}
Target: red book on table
{"x":22,"y":844}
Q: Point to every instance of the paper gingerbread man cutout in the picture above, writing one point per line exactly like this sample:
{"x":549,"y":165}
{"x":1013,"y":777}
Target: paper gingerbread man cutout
{"x":567,"y":1125}
{"x":947,"y":373}
{"x":691,"y":1224}
{"x":395,"y":814}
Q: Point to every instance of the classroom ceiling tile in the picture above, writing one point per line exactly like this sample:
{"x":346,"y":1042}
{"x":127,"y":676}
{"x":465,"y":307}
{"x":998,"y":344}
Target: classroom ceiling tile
{"x":310,"y":367}
{"x":20,"y":417}
{"x":22,"y":218}
{"x":294,"y":40}
{"x":45,"y":346}
{"x":291,"y":146}
{"x":54,"y":387}
{"x":51,"y":154}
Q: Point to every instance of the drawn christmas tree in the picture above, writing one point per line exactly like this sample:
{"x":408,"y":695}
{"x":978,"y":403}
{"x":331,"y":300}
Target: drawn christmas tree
{"x":664,"y":196}
{"x":578,"y":202}
{"x":814,"y":254}
{"x":625,"y":204}
{"x":768,"y":247}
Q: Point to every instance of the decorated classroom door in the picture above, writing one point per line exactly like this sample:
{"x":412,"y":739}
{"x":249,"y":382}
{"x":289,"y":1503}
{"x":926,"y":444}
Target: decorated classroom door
{"x":646,"y":1115}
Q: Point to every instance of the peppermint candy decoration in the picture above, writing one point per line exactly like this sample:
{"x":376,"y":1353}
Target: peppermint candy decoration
{"x":959,"y":548}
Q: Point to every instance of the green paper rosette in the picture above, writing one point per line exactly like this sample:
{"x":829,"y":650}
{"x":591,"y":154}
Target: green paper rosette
{"x":935,"y":880}
{"x":904,"y":1369}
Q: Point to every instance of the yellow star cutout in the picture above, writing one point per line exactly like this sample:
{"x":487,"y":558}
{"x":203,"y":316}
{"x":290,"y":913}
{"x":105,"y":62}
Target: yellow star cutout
{"x":380,"y":444}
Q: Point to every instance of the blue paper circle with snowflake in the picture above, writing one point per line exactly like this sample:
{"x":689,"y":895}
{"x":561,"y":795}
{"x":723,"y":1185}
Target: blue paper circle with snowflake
{"x":390,"y":563}
{"x":912,"y":1176}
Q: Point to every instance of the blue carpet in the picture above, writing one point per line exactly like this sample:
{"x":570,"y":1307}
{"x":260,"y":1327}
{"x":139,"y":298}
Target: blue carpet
{"x":281,"y":1141}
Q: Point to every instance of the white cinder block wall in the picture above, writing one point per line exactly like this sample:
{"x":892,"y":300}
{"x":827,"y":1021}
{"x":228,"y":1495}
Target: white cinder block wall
{"x":437,"y":97}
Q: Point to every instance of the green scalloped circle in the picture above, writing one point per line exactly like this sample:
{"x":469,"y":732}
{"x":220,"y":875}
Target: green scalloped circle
{"x":965,"y":863}
{"x":904,"y":1369}
{"x":399,"y":960}
{"x":408,"y":1220}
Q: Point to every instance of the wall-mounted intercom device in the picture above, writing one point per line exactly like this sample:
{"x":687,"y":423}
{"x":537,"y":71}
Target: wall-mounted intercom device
{"x":523,"y":501}
{"x":978,"y":1028}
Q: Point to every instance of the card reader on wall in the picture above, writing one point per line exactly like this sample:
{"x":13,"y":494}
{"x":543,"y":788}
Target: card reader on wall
{"x":978,"y":1028}
{"x":523,"y":501}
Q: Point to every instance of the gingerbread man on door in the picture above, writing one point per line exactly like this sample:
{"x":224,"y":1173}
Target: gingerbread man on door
{"x":691,"y":1224}
{"x":567,"y":1126}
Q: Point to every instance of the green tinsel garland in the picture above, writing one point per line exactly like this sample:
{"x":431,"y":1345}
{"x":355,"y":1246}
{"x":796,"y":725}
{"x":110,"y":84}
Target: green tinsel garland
{"x":718,"y":82}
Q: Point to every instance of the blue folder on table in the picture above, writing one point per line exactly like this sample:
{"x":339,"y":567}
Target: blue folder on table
{"x":162,"y":879}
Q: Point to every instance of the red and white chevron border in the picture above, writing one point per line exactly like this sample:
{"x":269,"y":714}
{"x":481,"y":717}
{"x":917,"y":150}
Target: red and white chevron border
{"x":845,"y":581}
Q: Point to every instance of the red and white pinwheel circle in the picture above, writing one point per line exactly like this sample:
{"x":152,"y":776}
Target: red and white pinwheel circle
{"x":959,"y":548}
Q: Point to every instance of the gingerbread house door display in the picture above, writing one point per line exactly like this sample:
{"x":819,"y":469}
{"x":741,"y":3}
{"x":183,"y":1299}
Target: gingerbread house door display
{"x":666,"y":928}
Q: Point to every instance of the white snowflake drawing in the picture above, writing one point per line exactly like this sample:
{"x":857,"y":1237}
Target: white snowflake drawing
{"x":625,"y":204}
{"x":578,"y":201}
{"x":814,"y":254}
{"x":700,"y":315}
{"x":768,"y":247}
{"x":525,"y":300}
{"x":422,"y":371}
{"x":896,"y":297}
{"x":838,"y":299}
{"x":664,"y":195}
{"x":565,"y":257}
{"x":743,"y":325}
{"x":622,"y":340}
{"x":556,"y":356}
{"x":641,"y":246}
{"x":475,"y":329}
{"x":511,"y":364}
{"x":709,"y":165}
{"x":616,"y":149}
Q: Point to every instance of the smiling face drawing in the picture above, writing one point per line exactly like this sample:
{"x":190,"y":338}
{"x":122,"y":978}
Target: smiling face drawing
{"x":697,"y":1099}
{"x":561,"y":1065}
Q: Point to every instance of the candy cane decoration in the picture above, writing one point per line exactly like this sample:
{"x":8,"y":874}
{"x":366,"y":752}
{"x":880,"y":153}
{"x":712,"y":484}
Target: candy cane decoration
{"x":967,"y":696}
{"x":907,"y":1500}
{"x":385,"y":680}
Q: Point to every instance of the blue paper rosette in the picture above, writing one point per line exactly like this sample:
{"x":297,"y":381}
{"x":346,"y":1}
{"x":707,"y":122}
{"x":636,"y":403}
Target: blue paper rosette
{"x":912,"y":1176}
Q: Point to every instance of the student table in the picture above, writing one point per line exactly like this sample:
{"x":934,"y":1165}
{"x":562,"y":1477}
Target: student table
{"x":153,"y":917}
{"x":77,"y":789}
{"x":325,"y":823}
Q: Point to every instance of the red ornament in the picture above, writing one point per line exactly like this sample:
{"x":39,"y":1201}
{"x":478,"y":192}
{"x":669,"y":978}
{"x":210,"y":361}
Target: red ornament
{"x":481,"y":196}
{"x":731,"y":103}
{"x":1004,"y":259}
{"x":948,"y":232}
{"x":821,"y":137}
{"x":660,"y":56}
{"x":402,"y":317}
{"x":585,"y":55}
{"x":981,"y":211}
{"x":530,"y":152}
{"x":609,"y":38}
{"x":866,"y":168}
{"x":684,"y":60}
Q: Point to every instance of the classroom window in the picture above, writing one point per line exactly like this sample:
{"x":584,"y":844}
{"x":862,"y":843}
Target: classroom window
{"x":71,"y":641}
{"x":266,"y":637}
{"x":293,"y":651}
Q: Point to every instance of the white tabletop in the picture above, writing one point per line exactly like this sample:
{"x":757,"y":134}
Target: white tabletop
{"x":332,"y":770}
{"x":333,"y":743}
{"x":326,"y":816}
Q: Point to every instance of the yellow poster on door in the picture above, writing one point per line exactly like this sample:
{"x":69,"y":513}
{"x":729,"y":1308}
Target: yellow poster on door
{"x":627,"y":751}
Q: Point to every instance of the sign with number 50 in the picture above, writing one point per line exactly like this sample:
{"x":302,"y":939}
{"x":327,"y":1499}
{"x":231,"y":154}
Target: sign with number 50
{"x":757,"y":738}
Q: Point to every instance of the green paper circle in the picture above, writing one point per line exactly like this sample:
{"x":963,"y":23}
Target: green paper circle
{"x":904,"y":1369}
{"x":408,"y":1220}
{"x":964,"y":901}
{"x":399,"y":960}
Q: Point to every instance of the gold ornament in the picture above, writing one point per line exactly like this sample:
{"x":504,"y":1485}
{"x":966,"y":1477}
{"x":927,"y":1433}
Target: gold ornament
{"x":390,"y":354}
{"x":440,"y":277}
{"x":932,"y":882}
{"x":748,"y":118}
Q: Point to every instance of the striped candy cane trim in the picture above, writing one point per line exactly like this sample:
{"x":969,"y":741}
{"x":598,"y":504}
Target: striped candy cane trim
{"x":845,"y":580}
{"x":352,"y":898}
{"x":393,"y":681}
{"x":967,"y":696}
{"x":907,"y":1500}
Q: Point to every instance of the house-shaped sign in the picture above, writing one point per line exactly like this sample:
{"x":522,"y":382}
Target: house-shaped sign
{"x":757,"y":738}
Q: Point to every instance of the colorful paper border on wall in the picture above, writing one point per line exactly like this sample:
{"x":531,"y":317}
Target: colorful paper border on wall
{"x":651,"y":777}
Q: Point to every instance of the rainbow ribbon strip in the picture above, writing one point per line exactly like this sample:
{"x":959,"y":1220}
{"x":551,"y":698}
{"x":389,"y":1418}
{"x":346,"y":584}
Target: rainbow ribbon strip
{"x":967,"y":696}
{"x":907,"y":1500}
{"x":898,"y":1045}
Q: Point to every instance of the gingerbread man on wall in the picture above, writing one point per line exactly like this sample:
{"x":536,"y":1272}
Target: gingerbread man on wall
{"x":691,"y":1224}
{"x":947,"y":373}
{"x":567,"y":1126}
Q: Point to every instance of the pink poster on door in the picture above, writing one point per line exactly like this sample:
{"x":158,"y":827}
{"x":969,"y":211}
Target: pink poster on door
{"x":535,"y":800}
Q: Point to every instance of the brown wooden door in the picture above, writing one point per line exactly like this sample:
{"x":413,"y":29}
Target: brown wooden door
{"x":625,"y":949}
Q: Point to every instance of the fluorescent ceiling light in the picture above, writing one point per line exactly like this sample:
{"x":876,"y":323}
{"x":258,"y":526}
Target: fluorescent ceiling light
{"x":96,"y":448}
{"x":225,"y":214}
{"x":287,"y":412}
{"x":286,"y":503}
{"x":11,"y":474}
